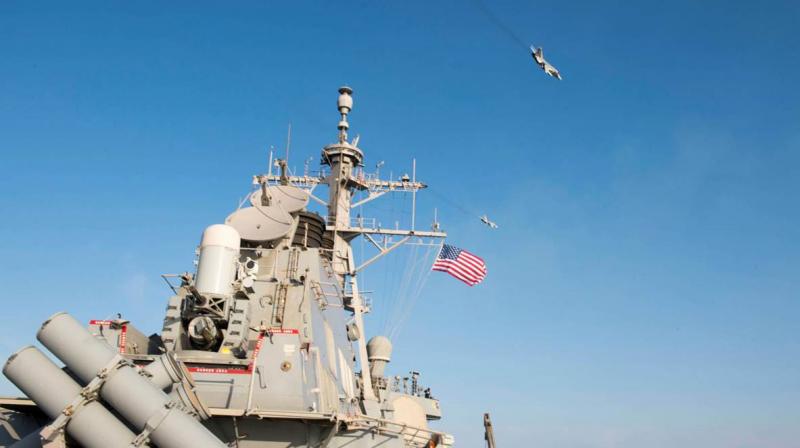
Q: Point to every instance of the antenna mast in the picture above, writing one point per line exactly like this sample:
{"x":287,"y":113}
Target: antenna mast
{"x":344,"y":180}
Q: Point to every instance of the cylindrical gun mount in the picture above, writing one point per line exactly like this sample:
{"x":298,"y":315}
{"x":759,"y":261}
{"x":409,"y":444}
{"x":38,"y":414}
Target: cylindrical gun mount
{"x":203,"y":332}
{"x":59,"y":396}
{"x":141,"y":403}
{"x":216,"y":265}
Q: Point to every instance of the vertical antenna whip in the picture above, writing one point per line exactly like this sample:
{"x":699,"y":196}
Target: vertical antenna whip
{"x":288,"y":142}
{"x":269,"y":165}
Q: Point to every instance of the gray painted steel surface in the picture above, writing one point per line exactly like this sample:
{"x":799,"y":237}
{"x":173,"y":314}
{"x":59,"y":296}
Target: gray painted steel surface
{"x":32,"y":440}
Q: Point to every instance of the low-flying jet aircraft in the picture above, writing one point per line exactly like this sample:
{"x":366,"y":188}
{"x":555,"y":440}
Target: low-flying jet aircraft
{"x":491,"y":224}
{"x":538,"y":56}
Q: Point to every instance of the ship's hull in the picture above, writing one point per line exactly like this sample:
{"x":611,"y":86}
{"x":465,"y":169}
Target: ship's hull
{"x":21,"y":419}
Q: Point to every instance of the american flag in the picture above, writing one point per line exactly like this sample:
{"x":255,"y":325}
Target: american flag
{"x":461,"y":264}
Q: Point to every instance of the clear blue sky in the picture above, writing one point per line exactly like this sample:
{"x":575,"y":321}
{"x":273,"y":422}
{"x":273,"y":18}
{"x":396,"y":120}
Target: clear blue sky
{"x":643,"y":285}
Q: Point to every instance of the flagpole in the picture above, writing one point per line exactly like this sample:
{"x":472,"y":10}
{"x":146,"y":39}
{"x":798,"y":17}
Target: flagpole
{"x":413,"y":193}
{"x":441,"y":246}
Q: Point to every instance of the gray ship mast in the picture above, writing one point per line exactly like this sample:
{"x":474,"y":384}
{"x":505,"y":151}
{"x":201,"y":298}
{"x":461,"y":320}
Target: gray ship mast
{"x":344,"y":180}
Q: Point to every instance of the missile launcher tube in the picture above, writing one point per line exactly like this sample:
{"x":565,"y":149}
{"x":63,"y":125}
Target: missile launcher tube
{"x":138,"y":401}
{"x":32,"y":440}
{"x":92,"y":425}
{"x":170,"y":376}
{"x":161,"y":373}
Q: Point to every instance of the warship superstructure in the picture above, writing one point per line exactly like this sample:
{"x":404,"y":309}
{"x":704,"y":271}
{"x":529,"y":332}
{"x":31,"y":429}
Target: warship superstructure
{"x":264,"y":345}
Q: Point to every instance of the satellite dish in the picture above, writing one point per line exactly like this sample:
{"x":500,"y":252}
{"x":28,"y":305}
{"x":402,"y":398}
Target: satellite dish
{"x":260,"y":223}
{"x":290,"y":198}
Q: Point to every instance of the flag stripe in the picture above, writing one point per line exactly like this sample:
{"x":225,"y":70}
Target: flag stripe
{"x":470,"y":261}
{"x":471,"y":266}
{"x":456,"y":269}
{"x":472,"y":258}
{"x":461,"y":277}
{"x":464,"y":269}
